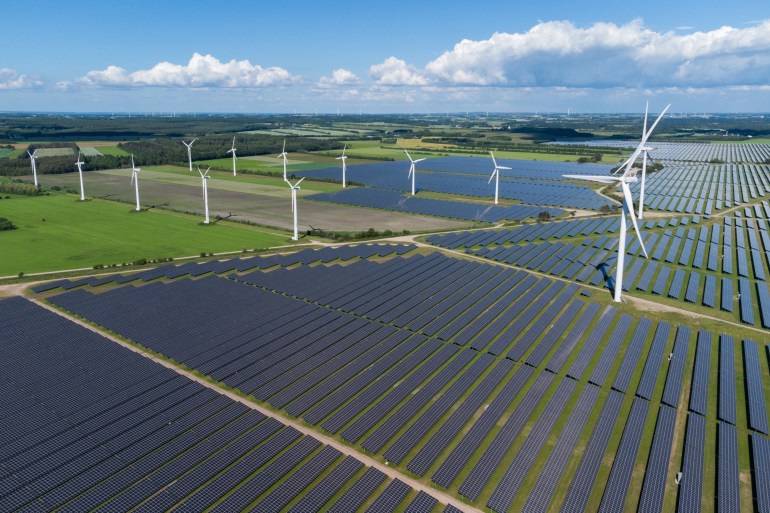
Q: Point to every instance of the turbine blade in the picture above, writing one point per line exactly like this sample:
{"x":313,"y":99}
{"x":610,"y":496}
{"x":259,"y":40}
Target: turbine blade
{"x":660,"y":116}
{"x":410,"y":157}
{"x":630,"y":207}
{"x":646,"y":108}
{"x":493,"y":159}
{"x":503,"y":167}
{"x":594,"y":178}
{"x":492,"y":176}
{"x":300,"y":181}
{"x":420,"y":160}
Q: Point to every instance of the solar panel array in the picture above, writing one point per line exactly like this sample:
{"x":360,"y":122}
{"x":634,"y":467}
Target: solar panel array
{"x":734,"y":278}
{"x":689,"y":151}
{"x":450,"y":369}
{"x":88,"y":424}
{"x":396,"y":201}
{"x":393,"y":176}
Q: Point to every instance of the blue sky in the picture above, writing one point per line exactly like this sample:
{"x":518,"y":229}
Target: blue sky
{"x":382,"y":57}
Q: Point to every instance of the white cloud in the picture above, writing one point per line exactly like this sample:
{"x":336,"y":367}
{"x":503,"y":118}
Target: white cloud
{"x":340,"y":76}
{"x":558,"y":53}
{"x":394,"y":71}
{"x":200,"y":71}
{"x":10,"y":79}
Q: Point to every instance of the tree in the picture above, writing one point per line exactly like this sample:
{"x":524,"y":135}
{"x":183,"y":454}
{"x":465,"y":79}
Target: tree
{"x":544,"y":216}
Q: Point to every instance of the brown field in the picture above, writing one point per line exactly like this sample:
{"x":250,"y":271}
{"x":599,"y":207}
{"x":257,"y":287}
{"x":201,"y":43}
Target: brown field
{"x":272,"y":208}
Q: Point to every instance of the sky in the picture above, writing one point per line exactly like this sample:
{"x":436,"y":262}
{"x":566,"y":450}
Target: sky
{"x":247,"y":56}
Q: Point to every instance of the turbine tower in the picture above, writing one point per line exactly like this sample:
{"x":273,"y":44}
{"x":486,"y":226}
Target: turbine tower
{"x":232,"y":150}
{"x":135,"y":181}
{"x":412,"y":171}
{"x":294,"y":189}
{"x":645,"y":149}
{"x":283,"y":154}
{"x":628,"y":177}
{"x":189,"y":151}
{"x":204,"y":177}
{"x":32,"y":157}
{"x":496,"y":175}
{"x":343,"y":158}
{"x":79,"y":163}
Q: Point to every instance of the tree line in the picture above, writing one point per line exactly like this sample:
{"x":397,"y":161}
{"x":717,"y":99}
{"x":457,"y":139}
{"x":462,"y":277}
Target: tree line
{"x":160,"y":151}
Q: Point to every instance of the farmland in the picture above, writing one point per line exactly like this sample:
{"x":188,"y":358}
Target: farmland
{"x":57,"y":232}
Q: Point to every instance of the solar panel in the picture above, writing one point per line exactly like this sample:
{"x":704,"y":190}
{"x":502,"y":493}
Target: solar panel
{"x":754,"y":388}
{"x":691,"y":484}
{"x":656,"y":473}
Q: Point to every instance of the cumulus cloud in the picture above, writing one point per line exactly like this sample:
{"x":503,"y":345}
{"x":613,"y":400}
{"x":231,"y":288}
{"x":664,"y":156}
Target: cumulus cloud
{"x":395,"y":71}
{"x":200,"y":71}
{"x":340,"y":77}
{"x":603,"y":55}
{"x":10,"y":79}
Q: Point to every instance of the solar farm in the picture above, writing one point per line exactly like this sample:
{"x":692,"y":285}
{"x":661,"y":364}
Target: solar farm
{"x":478,"y":369}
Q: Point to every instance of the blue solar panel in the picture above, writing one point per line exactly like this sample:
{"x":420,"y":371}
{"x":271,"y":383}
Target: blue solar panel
{"x":691,"y":485}
{"x":754,"y":388}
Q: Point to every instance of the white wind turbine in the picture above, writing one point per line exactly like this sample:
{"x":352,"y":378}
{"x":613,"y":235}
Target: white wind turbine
{"x":135,"y":181}
{"x":204,"y":177}
{"x":496,"y":176}
{"x":79,"y":163}
{"x":628,"y":177}
{"x":283,"y":154}
{"x":32,"y":157}
{"x":343,"y":158}
{"x":189,"y":151}
{"x":294,"y":189}
{"x":232,"y":150}
{"x":645,"y":149}
{"x":412,"y":171}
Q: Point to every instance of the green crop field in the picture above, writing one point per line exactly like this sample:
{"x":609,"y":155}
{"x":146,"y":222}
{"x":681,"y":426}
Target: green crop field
{"x":112,"y":150}
{"x":4,"y":152}
{"x":57,"y":233}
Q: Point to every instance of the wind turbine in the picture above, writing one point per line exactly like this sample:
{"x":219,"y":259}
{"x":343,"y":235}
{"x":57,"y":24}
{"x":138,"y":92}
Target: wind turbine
{"x":343,"y":158}
{"x":189,"y":151}
{"x":283,"y":154}
{"x":412,"y":171}
{"x":628,"y":177}
{"x":205,"y":176}
{"x":232,"y":150}
{"x":496,"y":176}
{"x":645,"y":149}
{"x":294,"y":189}
{"x":79,"y":163}
{"x":32,"y":157}
{"x":135,"y":180}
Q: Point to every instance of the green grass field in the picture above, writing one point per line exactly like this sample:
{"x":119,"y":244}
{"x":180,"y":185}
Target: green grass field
{"x":58,"y":232}
{"x":111,"y":150}
{"x":4,"y":152}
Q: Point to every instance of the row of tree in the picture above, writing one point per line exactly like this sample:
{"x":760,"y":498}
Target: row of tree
{"x":161,"y":151}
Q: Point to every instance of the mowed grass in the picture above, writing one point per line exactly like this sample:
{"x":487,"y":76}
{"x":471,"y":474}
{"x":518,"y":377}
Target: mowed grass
{"x":112,"y":150}
{"x":4,"y":152}
{"x":58,"y":232}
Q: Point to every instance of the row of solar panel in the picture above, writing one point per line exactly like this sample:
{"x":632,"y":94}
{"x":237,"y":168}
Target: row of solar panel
{"x":306,"y":256}
{"x":396,"y":201}
{"x":128,"y":433}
